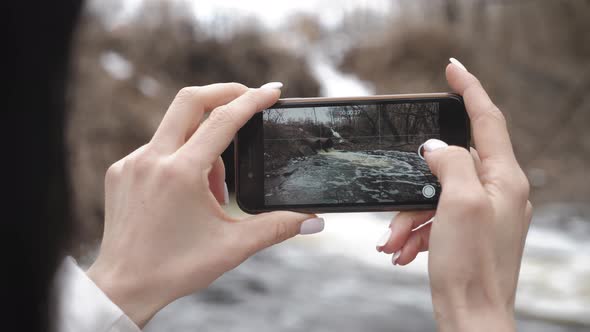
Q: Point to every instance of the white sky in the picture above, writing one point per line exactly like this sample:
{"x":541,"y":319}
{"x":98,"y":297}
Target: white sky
{"x":271,"y":12}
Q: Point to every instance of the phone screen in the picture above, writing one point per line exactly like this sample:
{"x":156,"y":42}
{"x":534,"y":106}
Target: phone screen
{"x":348,"y":154}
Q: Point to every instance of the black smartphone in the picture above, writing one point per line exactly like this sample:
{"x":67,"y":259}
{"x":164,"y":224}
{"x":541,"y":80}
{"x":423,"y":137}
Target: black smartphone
{"x":345,"y":154}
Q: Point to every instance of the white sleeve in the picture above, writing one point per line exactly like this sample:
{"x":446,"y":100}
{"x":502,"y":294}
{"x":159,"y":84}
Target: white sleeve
{"x":83,"y":306}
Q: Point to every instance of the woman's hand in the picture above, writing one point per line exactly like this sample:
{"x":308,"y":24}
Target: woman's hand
{"x":476,"y":240}
{"x":165,"y":233}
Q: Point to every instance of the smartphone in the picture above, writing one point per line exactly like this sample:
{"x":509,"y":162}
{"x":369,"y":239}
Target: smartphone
{"x":321,"y":155}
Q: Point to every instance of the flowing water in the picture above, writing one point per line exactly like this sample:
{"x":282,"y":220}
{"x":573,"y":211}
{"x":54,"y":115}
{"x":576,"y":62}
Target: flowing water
{"x":337,"y":176}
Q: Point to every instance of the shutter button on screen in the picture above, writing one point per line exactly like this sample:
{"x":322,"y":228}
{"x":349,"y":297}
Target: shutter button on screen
{"x":428,"y":191}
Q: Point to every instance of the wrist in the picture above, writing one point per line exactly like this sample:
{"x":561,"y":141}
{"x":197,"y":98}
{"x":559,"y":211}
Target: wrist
{"x":133,"y":295}
{"x":482,"y":321}
{"x":474,"y":317}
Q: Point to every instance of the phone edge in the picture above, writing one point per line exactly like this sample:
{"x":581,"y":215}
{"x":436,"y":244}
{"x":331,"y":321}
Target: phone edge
{"x":291,"y":101}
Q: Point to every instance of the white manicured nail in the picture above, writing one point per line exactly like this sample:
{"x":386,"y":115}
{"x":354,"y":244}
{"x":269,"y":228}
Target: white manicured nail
{"x":384,"y":238}
{"x":420,"y":154}
{"x":395,"y":257}
{"x":434,"y":144}
{"x":457,"y":63}
{"x":272,"y":85}
{"x":312,"y":226}
{"x":225,"y":195}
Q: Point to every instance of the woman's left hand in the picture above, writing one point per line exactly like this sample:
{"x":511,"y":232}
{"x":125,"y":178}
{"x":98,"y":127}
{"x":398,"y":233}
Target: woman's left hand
{"x":166,"y":234}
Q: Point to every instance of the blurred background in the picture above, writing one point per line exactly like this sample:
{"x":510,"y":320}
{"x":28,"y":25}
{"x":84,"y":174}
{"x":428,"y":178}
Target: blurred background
{"x":533,"y":57}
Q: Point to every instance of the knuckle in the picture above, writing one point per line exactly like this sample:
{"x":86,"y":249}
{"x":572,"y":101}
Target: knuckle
{"x":188,"y":92}
{"x":237,"y":88}
{"x":495,"y":113}
{"x":418,"y":242}
{"x":140,"y":163}
{"x":514,"y":184}
{"x":472,"y":203}
{"x":113,"y":172}
{"x":281,"y":232}
{"x":188,"y":95}
{"x":177,"y":170}
{"x":251,"y":101}
{"x":456,"y":153}
{"x":474,"y":87}
{"x":172,"y":171}
{"x":222,"y":115}
{"x":522,"y":186}
{"x":491,"y":112}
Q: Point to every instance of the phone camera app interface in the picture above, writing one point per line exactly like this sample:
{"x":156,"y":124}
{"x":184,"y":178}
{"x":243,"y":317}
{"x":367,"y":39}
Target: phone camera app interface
{"x":348,"y":154}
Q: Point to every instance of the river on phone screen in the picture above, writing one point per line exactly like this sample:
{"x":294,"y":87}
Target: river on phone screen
{"x":336,"y":176}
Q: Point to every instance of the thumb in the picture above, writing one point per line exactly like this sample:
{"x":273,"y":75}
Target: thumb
{"x":267,"y":229}
{"x":452,"y":165}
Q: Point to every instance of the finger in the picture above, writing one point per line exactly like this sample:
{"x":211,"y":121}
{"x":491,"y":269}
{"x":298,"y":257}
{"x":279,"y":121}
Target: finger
{"x":187,"y":109}
{"x":217,"y":183}
{"x":219,"y":129}
{"x":417,"y":242}
{"x":264,"y":230}
{"x":487,"y":121}
{"x":401,"y":227}
{"x":453,"y":166}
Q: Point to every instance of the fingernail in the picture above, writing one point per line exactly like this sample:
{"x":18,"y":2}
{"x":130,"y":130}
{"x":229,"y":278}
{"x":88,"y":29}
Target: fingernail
{"x":384,"y":238}
{"x":457,"y":63}
{"x":225,"y":194}
{"x":434,"y":144}
{"x":395,"y":257}
{"x":272,"y":85}
{"x":312,"y":226}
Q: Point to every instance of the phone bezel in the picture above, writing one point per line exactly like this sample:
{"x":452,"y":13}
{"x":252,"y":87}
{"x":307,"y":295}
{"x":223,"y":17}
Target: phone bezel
{"x":249,"y":143}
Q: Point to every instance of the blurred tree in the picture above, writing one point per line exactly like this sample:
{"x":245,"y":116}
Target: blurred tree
{"x":452,"y":11}
{"x":533,"y":58}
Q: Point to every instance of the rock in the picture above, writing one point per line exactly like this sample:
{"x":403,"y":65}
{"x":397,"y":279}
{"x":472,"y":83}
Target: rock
{"x":305,"y":150}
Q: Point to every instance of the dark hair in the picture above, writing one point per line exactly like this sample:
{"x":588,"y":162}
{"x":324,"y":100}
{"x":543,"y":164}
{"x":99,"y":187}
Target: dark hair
{"x":37,"y":226}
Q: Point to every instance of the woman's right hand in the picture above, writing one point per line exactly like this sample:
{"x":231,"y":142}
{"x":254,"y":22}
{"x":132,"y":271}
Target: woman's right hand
{"x":477,"y":239}
{"x":166,"y":235}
